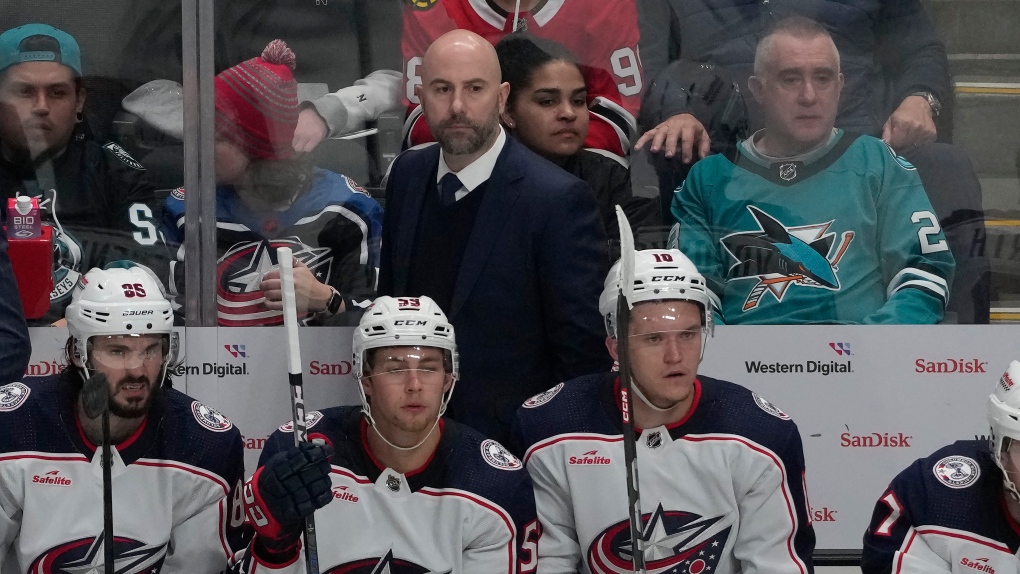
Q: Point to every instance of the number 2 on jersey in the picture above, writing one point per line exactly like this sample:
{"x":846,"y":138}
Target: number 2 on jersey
{"x":927,"y":231}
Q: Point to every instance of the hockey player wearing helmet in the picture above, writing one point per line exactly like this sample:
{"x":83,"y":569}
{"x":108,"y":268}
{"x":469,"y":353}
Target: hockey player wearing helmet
{"x":958,"y":510}
{"x":176,"y":462}
{"x":721,"y":469}
{"x":410,"y":491}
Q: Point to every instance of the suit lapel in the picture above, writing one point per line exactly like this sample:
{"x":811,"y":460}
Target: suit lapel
{"x":492,"y":215}
{"x":410,"y":214}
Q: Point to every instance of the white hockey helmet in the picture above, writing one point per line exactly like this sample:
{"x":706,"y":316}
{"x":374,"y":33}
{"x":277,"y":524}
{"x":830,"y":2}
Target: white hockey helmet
{"x":1004,"y":418}
{"x":404,"y":322}
{"x":118,"y":301}
{"x":659,"y":275}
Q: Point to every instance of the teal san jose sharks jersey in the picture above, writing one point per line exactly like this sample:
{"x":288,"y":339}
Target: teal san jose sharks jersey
{"x":847,"y":238}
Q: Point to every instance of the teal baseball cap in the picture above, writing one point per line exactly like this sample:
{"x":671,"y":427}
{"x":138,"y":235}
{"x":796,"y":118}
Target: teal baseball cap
{"x":39,"y":43}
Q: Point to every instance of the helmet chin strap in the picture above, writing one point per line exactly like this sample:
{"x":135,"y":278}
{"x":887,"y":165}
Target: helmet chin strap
{"x":1006,"y":482}
{"x":367,"y":409}
{"x":637,"y":391}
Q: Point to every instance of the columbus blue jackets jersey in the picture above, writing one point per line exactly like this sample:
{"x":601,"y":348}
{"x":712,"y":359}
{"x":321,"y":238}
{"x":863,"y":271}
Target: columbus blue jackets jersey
{"x":334,"y":228}
{"x":944,"y":514}
{"x":174,"y":480}
{"x":470,"y":509}
{"x":722,"y":490}
{"x":849,"y":237}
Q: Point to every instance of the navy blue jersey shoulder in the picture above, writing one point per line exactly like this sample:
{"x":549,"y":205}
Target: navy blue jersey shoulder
{"x":588,"y":405}
{"x":177,"y":428}
{"x":464,"y":459}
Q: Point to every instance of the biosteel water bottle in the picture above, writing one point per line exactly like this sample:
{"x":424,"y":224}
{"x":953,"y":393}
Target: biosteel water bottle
{"x":23,"y":221}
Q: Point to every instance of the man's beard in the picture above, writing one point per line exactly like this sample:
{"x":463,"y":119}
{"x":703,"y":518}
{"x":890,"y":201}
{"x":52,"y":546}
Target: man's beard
{"x":481,"y":132}
{"x":134,"y":410}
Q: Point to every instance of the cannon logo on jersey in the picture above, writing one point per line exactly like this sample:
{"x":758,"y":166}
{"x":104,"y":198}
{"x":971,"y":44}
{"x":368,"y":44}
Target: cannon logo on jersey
{"x":210,"y":418}
{"x":310,"y":420}
{"x":957,"y":471}
{"x":675,"y":541}
{"x":86,"y":555}
{"x":543,"y":397}
{"x":13,"y":396}
{"x":769,"y":407}
{"x":498,"y":456}
{"x":777,"y":256}
{"x":384,"y":565}
{"x":239,"y":299}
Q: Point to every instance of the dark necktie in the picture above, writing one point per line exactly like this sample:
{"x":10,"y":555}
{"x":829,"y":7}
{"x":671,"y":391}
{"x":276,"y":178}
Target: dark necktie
{"x":449,"y":186}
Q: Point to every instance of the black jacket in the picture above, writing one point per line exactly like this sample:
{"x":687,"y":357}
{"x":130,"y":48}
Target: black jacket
{"x":889,"y":49}
{"x":15,"y":347}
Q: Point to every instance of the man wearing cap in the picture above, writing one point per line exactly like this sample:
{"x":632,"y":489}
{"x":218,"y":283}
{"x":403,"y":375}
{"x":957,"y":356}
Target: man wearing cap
{"x":95,"y":195}
{"x":268,"y":197}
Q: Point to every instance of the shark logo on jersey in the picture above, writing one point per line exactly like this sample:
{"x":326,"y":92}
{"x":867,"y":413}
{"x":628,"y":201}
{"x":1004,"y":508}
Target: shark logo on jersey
{"x":675,"y":541}
{"x":957,"y":471}
{"x":239,"y":299}
{"x":777,"y":256}
{"x":310,"y":420}
{"x":86,"y":556}
{"x":384,"y":565}
{"x":13,"y":396}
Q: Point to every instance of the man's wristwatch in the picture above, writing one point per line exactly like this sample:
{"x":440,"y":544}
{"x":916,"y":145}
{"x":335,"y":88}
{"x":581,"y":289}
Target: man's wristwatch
{"x":936,"y":105}
{"x":333,"y":303}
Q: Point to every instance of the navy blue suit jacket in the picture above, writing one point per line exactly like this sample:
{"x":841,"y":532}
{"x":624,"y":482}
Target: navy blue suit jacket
{"x":525,"y":301}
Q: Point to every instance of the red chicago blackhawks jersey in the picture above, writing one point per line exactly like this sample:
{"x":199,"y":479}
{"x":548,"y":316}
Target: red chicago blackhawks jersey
{"x":602,"y":35}
{"x":722,"y":490}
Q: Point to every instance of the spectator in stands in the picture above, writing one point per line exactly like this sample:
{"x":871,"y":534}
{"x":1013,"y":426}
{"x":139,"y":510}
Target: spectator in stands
{"x":807,"y":223}
{"x":506,"y":243}
{"x":97,"y":197}
{"x":897,"y":87}
{"x":15,"y":346}
{"x":267,"y":197}
{"x":604,"y":35}
{"x":547,"y":111}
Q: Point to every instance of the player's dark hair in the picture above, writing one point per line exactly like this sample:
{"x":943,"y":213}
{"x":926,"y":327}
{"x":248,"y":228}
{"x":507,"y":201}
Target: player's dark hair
{"x":521,"y":54}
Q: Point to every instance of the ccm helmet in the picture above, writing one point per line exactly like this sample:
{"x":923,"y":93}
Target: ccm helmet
{"x":1004,"y":418}
{"x":118,"y":301}
{"x":404,"y":322}
{"x":659,"y":275}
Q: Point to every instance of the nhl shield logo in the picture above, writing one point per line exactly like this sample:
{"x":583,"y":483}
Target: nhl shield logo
{"x":13,"y":396}
{"x":498,"y":456}
{"x":788,"y":171}
{"x":769,"y":407}
{"x":210,"y":418}
{"x":393,"y":483}
{"x":654,"y":440}
{"x":957,"y":471}
{"x":543,"y":397}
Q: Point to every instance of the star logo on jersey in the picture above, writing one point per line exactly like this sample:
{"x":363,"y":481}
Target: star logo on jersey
{"x":777,"y":256}
{"x":384,"y":565}
{"x":87,"y":556}
{"x":240,"y":271}
{"x":675,"y":542}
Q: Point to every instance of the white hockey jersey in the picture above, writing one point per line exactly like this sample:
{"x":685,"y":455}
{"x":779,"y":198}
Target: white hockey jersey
{"x":944,"y":514}
{"x":722,"y":490}
{"x":174,"y":481}
{"x":470,"y":509}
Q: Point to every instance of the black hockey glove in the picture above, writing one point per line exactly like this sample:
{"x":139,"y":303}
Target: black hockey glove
{"x":291,"y":485}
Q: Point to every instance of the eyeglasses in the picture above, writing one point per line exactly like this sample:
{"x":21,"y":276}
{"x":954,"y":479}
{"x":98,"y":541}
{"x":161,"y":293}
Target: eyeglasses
{"x":427,"y":377}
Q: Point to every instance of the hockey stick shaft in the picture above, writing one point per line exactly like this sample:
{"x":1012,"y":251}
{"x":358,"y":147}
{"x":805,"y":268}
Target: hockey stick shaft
{"x":622,"y":326}
{"x":295,"y":376}
{"x":109,"y":557}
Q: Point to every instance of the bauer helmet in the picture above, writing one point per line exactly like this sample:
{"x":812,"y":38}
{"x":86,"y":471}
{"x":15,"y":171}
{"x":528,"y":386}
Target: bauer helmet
{"x":119,"y":301}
